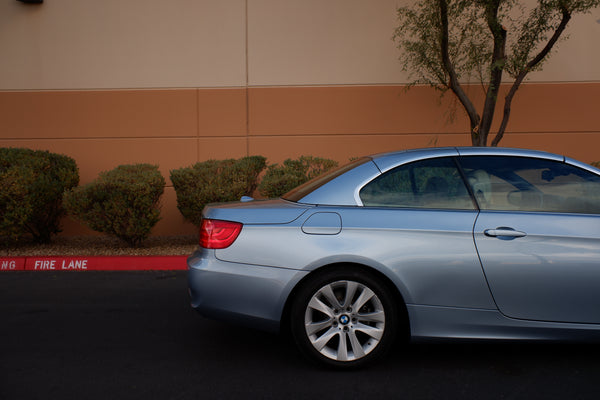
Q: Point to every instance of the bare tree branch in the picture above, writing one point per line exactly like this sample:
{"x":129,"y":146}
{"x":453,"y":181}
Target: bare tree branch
{"x":566,"y":17}
{"x":446,"y":42}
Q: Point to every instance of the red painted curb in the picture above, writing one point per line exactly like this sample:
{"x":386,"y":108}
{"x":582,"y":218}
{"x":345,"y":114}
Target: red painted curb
{"x":12,"y":263}
{"x":94,"y":263}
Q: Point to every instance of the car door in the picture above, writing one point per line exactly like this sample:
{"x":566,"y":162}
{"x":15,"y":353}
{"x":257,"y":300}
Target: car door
{"x":538,"y":236}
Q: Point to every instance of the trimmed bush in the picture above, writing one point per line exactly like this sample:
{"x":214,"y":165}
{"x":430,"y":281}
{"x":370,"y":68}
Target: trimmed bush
{"x":33,"y":183}
{"x":280,"y":179}
{"x":214,"y":181}
{"x":15,"y":209}
{"x":123,"y":202}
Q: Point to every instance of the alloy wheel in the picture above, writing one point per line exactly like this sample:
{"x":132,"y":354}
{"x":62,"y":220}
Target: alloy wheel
{"x":344,"y":320}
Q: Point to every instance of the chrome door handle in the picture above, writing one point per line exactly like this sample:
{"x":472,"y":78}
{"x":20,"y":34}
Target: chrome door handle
{"x":504,"y":232}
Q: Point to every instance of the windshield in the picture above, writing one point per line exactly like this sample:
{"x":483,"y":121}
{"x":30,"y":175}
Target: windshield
{"x":303,"y":190}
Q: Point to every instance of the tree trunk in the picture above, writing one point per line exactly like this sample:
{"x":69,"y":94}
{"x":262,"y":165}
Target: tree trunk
{"x":497,"y":67}
{"x":454,"y":84}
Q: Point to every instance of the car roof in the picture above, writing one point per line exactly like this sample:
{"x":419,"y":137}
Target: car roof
{"x":387,"y":160}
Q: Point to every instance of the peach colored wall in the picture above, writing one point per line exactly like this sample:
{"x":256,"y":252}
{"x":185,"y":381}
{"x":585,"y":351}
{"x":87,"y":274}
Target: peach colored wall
{"x":178,"y":127}
{"x":341,"y":122}
{"x":105,"y":128}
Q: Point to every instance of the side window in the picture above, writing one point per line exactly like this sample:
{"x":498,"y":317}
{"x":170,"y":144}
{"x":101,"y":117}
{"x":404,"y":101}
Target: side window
{"x":526,"y":184}
{"x":434,"y":183}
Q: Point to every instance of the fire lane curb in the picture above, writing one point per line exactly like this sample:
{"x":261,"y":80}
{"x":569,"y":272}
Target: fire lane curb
{"x":94,"y":263}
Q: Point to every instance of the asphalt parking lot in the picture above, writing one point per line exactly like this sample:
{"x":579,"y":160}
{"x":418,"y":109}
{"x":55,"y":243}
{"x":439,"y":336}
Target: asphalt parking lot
{"x":132,"y":335}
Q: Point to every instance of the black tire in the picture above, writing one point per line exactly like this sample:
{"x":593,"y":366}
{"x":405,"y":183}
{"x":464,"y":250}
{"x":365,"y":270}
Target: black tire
{"x":331,"y":329}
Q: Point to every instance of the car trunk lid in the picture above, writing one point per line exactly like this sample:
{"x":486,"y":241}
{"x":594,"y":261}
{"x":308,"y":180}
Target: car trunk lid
{"x":276,"y":211}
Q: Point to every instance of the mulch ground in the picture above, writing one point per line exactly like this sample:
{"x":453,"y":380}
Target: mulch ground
{"x":103,"y":246}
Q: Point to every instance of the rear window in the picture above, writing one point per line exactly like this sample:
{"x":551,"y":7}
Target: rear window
{"x":303,"y":190}
{"x":431,"y":183}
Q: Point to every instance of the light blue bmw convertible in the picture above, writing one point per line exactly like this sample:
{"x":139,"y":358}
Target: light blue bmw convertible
{"x":465,"y":243}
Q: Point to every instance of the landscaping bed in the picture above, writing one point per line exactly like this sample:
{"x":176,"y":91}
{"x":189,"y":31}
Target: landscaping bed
{"x":93,"y":245}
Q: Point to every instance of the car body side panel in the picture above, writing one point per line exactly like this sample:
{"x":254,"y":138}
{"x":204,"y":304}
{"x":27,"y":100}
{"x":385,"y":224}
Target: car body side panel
{"x":431,"y":252}
{"x":430,"y":322}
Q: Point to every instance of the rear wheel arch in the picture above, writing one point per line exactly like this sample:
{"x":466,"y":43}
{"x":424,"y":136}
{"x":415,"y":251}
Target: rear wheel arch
{"x":359,"y":271}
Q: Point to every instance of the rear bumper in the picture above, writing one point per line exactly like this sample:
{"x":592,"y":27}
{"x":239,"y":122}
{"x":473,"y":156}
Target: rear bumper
{"x":241,"y":293}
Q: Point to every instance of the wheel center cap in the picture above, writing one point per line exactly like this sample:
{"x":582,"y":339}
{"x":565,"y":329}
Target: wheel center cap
{"x":344,"y":319}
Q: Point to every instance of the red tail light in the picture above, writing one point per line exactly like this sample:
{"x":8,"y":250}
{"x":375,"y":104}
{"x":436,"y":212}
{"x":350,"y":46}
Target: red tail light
{"x":217,"y":234}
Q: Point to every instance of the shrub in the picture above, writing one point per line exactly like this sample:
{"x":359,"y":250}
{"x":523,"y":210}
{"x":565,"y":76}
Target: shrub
{"x":123,"y":202}
{"x":33,"y":183}
{"x":15,"y":210}
{"x":214,"y":181}
{"x":596,"y":164}
{"x":280,"y":179}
